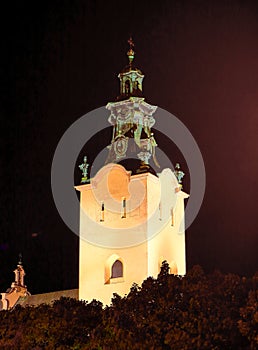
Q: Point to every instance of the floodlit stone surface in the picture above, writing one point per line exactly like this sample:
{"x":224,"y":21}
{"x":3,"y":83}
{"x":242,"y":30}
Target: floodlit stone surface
{"x":150,"y":232}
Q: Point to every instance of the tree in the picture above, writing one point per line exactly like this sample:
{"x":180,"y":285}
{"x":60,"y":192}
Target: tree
{"x":198,"y":311}
{"x":248,"y":324}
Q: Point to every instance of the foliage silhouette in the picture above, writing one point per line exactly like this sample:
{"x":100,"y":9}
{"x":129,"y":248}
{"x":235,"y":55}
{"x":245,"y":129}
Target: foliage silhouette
{"x":198,"y":311}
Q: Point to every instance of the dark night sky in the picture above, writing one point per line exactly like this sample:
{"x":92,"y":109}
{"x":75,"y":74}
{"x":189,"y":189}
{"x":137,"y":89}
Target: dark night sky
{"x":60,"y":60}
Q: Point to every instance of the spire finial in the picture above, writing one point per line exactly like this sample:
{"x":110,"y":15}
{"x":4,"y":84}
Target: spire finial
{"x":131,"y":52}
{"x":20,"y":259}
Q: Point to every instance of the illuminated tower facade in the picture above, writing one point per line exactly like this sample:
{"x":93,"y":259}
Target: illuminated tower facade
{"x":129,"y":223}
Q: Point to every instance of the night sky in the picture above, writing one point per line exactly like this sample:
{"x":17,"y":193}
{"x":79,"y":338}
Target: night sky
{"x":60,"y":60}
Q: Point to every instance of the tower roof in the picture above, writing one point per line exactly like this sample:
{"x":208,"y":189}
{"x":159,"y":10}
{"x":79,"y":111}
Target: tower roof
{"x":130,"y":77}
{"x":132,"y":120}
{"x":131,"y":68}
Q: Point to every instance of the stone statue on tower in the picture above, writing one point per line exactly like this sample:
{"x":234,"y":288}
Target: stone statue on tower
{"x":84,"y":168}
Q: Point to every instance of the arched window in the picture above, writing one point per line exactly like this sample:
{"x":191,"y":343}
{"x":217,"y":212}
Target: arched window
{"x":127,"y":87}
{"x":114,"y":270}
{"x":117,"y":269}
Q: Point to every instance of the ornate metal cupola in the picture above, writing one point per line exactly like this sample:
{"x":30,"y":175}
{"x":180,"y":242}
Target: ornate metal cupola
{"x":132,"y":119}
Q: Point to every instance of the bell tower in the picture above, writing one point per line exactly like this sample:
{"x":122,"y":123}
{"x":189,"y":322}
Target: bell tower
{"x":130,"y":222}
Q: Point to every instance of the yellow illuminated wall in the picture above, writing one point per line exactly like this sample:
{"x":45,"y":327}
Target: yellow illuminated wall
{"x":137,"y":220}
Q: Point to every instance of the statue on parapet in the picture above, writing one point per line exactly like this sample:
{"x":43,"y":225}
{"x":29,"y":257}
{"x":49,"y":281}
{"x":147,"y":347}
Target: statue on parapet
{"x":84,"y":169}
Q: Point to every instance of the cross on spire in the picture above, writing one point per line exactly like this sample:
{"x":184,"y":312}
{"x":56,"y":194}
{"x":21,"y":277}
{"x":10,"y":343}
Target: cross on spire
{"x":20,"y":259}
{"x":130,"y":42}
{"x":130,"y":53}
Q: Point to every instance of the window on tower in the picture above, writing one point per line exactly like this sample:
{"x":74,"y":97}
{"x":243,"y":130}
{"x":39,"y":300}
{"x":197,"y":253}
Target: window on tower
{"x":127,"y":87}
{"x":172,"y":217}
{"x":114,"y":270}
{"x":102,"y":212}
{"x":117,"y":269}
{"x":123,"y":214}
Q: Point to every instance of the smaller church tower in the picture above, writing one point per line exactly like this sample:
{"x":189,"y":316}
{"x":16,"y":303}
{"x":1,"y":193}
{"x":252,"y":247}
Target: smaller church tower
{"x":18,"y":288}
{"x":19,"y":275}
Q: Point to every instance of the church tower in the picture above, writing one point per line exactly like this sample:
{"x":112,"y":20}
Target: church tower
{"x":129,"y":222}
{"x":17,"y":291}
